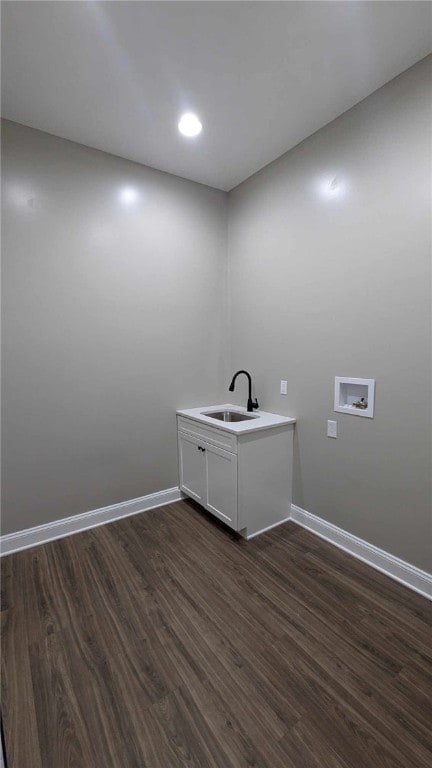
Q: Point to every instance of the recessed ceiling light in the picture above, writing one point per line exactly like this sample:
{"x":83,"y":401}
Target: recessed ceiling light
{"x":189,"y":125}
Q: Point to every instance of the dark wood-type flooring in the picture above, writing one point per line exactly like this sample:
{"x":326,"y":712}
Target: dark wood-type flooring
{"x":163,"y":640}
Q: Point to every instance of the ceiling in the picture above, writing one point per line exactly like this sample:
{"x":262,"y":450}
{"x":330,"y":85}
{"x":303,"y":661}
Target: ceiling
{"x":261,"y":76}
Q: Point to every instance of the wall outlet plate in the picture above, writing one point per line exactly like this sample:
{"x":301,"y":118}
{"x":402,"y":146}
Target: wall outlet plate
{"x":283,"y":387}
{"x":332,"y":428}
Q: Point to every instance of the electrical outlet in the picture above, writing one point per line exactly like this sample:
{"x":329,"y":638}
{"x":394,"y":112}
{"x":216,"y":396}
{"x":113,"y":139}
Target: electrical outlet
{"x":283,"y":387}
{"x":332,"y":429}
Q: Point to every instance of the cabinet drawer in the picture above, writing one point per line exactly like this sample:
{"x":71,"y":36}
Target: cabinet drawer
{"x":217,"y":437}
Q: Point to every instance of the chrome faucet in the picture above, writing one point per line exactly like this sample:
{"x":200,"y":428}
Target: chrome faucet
{"x":250,"y":404}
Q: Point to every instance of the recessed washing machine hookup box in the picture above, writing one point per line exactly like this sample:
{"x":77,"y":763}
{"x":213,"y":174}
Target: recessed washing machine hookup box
{"x":354,"y":396}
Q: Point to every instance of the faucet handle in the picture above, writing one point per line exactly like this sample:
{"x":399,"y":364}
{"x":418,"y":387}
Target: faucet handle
{"x":255,"y":404}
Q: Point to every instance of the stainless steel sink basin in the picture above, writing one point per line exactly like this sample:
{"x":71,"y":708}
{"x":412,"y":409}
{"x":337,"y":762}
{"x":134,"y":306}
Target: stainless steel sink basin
{"x":229,"y":416}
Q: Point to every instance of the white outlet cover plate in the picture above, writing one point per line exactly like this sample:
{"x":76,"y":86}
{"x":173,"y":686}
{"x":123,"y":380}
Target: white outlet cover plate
{"x":331,"y":428}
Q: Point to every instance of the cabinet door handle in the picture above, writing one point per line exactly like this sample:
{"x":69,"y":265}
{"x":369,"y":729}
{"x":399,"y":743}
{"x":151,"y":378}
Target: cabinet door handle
{"x":200,"y":448}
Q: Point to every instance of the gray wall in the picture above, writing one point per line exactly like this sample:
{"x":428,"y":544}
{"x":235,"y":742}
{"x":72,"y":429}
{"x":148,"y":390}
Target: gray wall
{"x":112,"y":319}
{"x":115,"y":313}
{"x":327,"y":283}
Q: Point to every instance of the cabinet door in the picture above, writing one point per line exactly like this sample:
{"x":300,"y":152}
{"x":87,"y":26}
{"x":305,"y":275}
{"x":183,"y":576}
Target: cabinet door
{"x":192,"y":467}
{"x":221,"y":476}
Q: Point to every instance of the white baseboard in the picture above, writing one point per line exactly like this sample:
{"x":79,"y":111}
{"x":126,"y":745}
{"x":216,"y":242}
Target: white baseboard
{"x":269,"y":528}
{"x":412,"y":577}
{"x":41,"y":534}
{"x":407,"y":574}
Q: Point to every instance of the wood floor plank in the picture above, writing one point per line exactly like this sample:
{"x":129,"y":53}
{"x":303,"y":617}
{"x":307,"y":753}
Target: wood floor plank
{"x":301,"y":744}
{"x":18,"y":697}
{"x":382,"y":590}
{"x":182,"y":726}
{"x":166,"y":641}
{"x":336,"y":714}
{"x":229,"y":682}
{"x":223,"y":714}
{"x":364,"y":683}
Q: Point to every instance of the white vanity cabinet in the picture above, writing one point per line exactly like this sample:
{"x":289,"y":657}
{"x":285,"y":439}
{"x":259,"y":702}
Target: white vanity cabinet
{"x":208,"y":470}
{"x":243,"y":479}
{"x":192,"y":466}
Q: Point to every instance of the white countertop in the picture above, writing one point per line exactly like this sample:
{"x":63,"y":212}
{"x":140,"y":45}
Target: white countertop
{"x":262,"y":420}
